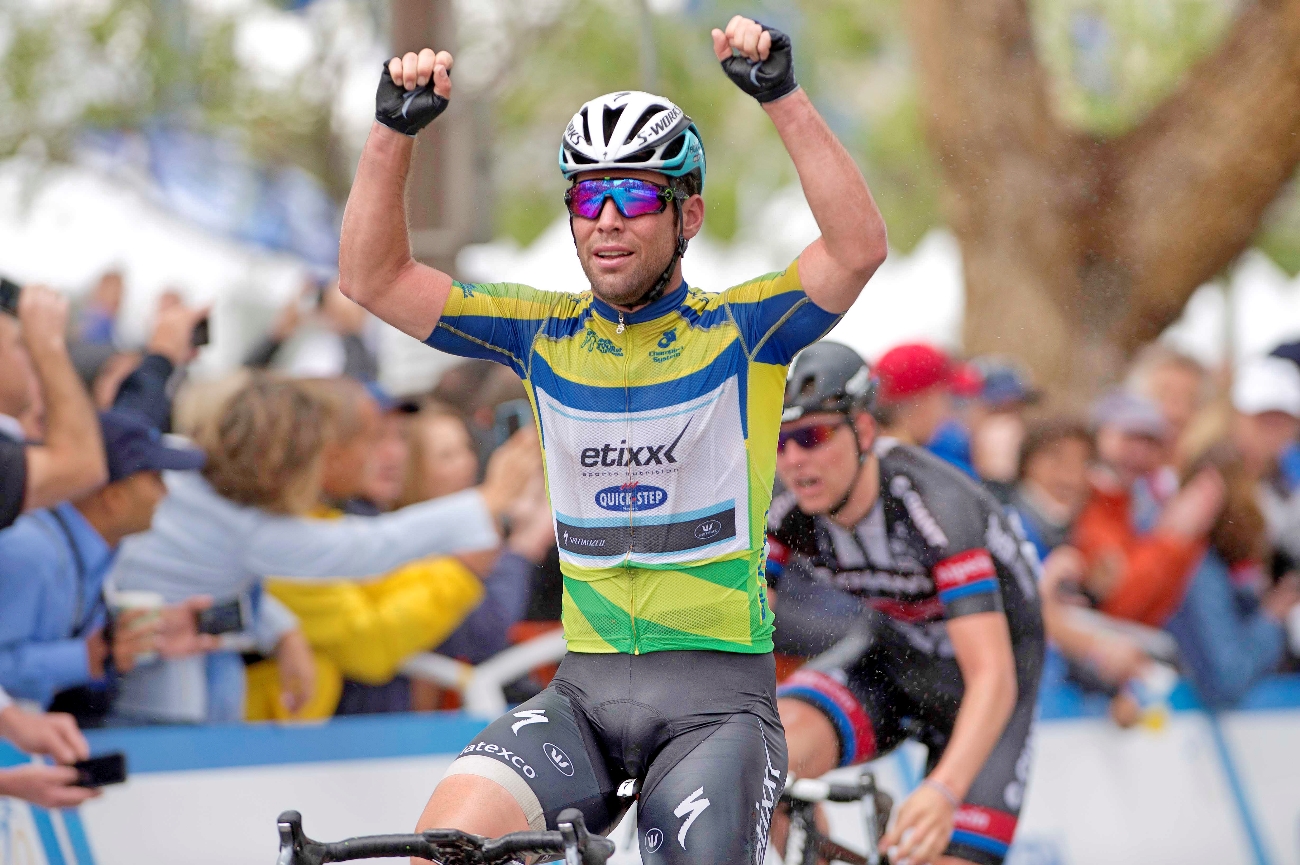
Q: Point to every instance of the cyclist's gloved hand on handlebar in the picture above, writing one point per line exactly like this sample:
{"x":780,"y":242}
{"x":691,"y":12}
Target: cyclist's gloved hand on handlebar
{"x":413,"y":90}
{"x":759,"y":59}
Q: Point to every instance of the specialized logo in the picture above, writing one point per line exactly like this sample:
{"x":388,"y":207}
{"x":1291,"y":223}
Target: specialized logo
{"x":773,"y":782}
{"x":654,"y":839}
{"x":707,"y":529}
{"x":621,"y":454}
{"x":410,"y":97}
{"x":502,"y":754}
{"x":631,"y":497}
{"x":691,"y":807}
{"x":660,"y":126}
{"x":559,"y":759}
{"x":574,"y":540}
{"x":530,"y":716}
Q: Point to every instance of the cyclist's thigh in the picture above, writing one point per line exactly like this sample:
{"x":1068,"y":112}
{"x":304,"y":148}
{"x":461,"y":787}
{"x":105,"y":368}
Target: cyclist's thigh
{"x":860,"y":702}
{"x":985,"y":823}
{"x":542,"y":753}
{"x":709,"y":794}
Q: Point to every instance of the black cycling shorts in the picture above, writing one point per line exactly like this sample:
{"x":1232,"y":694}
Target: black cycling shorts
{"x":891,"y":694}
{"x":697,"y":730}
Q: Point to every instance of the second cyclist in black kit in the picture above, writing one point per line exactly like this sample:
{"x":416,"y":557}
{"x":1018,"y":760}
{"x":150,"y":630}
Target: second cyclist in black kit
{"x":953,"y":656}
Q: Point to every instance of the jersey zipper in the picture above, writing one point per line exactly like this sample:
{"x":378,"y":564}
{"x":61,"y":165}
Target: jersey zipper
{"x":627,"y":407}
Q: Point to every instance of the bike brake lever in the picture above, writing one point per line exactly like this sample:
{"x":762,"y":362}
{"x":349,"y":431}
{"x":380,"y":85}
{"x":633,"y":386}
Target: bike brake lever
{"x":572,"y":853}
{"x":295,"y":847}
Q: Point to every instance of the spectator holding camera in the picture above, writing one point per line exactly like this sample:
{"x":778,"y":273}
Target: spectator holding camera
{"x":55,"y":633}
{"x":248,"y":516}
{"x":70,"y":461}
{"x":48,"y":733}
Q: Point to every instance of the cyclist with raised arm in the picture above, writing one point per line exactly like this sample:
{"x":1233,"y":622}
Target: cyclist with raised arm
{"x":658,"y":406}
{"x":950,"y":586}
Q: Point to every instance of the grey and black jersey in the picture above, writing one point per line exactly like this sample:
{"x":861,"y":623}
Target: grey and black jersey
{"x":935,"y":546}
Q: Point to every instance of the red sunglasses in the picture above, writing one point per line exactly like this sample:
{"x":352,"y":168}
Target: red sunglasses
{"x":809,"y":437}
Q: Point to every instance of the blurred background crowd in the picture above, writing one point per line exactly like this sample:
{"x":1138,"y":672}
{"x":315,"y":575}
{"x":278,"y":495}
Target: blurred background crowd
{"x":229,"y":494}
{"x":271,"y":545}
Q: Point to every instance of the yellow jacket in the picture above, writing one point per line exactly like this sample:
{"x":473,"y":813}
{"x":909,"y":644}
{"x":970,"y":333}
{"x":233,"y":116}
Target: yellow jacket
{"x":365,"y":630}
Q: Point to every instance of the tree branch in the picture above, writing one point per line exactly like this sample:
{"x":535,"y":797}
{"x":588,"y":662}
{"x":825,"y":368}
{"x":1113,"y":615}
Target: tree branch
{"x":1194,"y":178}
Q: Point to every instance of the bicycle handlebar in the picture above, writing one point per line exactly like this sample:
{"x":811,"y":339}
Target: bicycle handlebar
{"x":448,"y":846}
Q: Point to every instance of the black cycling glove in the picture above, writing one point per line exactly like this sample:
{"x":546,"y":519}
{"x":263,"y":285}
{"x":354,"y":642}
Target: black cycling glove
{"x":770,"y":79}
{"x":406,"y":111}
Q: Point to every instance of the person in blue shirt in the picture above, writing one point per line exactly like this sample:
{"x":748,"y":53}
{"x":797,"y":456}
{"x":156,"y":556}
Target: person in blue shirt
{"x":53,"y":619}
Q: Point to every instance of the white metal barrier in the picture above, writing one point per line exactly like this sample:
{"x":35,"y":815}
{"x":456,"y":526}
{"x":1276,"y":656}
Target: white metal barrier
{"x":480,"y":687}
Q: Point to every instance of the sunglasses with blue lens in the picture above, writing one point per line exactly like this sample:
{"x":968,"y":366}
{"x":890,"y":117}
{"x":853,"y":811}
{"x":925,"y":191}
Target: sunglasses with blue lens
{"x":632,"y":197}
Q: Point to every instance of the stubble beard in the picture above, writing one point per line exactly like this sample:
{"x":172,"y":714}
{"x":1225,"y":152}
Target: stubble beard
{"x":625,"y":289}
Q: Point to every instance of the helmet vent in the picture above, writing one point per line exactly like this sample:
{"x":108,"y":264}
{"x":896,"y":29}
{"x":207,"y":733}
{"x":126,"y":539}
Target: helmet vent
{"x":674,"y":147}
{"x":639,"y":156}
{"x":641,"y":121}
{"x":586,"y":129}
{"x":611,"y":120}
{"x":579,"y":158}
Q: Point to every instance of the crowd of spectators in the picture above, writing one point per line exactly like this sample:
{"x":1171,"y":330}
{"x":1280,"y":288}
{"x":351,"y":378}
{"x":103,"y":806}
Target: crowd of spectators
{"x":1166,"y":514}
{"x":277,"y":543}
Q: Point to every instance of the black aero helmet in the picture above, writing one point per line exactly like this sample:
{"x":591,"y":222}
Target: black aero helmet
{"x":828,"y":376}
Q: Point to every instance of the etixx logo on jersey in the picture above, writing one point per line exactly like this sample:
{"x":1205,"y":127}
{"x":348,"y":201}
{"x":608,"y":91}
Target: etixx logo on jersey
{"x":631,"y":497}
{"x":622,"y":454}
{"x":559,"y":759}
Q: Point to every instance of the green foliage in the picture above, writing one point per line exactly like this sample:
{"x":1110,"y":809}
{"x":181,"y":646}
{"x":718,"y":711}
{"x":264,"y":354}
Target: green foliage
{"x":851,"y":57}
{"x":139,"y":61}
{"x":1113,"y":60}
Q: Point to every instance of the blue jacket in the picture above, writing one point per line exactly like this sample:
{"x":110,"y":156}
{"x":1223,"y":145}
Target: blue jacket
{"x":52,"y":568}
{"x":1224,"y":638}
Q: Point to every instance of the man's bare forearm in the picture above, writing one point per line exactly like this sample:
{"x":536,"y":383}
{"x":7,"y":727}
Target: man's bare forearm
{"x":375,"y":265}
{"x":374,"y":246}
{"x":853,"y":231}
{"x":71,"y":461}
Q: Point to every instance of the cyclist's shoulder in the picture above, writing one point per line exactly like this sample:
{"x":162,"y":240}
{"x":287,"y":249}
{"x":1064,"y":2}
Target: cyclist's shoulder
{"x":524,"y":301}
{"x":934,"y":493}
{"x":764,"y":287}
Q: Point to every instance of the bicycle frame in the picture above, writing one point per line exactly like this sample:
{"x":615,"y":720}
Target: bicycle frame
{"x":807,"y":845}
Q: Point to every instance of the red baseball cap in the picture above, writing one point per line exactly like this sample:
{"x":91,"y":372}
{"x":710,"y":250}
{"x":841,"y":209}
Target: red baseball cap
{"x":908,"y":369}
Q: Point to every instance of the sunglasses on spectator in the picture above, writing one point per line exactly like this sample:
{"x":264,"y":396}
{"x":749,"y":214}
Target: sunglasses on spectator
{"x":632,"y":197}
{"x":809,"y":437}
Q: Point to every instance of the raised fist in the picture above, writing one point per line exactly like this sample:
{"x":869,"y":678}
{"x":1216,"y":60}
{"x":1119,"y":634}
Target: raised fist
{"x":413,"y":90}
{"x":760,"y":60}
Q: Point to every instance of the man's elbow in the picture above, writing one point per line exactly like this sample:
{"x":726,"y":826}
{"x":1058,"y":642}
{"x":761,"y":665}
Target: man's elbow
{"x":873,"y":252}
{"x":353,"y":289}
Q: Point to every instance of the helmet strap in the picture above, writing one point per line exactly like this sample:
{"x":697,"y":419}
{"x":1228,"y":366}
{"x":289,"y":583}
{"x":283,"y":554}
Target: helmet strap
{"x":857,"y":475}
{"x":661,"y":284}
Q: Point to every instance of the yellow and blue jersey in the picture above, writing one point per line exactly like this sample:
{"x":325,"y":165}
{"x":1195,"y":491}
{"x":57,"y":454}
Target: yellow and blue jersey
{"x":659,"y":445}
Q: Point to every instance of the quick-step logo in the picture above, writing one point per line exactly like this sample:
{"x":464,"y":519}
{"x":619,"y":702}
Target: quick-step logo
{"x":634,"y":496}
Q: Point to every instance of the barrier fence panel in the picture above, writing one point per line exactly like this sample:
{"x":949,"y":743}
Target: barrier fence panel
{"x":1199,"y":789}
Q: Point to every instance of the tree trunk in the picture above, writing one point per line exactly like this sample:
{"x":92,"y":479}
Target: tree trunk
{"x":1078,"y":250}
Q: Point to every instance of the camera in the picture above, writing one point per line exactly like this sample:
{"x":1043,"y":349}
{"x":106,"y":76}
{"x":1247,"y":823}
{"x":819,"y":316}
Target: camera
{"x":9,"y":293}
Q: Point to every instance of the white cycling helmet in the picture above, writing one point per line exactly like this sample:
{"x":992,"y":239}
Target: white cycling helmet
{"x":632,"y":129}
